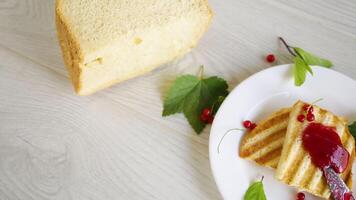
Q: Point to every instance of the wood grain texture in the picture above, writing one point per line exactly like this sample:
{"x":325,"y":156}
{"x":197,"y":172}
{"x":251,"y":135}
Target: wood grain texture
{"x":115,"y":144}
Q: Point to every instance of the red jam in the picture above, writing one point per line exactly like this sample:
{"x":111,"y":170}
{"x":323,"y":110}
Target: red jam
{"x":347,"y":196}
{"x":325,"y":147}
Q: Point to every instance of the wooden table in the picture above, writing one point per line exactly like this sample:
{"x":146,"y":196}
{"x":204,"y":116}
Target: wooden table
{"x":115,"y":144}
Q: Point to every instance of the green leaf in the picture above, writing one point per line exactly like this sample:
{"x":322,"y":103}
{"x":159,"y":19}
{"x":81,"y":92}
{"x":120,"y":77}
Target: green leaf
{"x":191,"y":95}
{"x":352,"y":129}
{"x":311,"y":59}
{"x":181,"y":87}
{"x":299,"y":71}
{"x":255,"y":192}
{"x":217,"y":104}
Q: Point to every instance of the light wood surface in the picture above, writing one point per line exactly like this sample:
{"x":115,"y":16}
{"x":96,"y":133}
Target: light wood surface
{"x":115,"y":144}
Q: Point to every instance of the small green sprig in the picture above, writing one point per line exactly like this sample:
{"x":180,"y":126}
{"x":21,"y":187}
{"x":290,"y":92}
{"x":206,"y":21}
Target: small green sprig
{"x":303,"y":61}
{"x":255,"y":191}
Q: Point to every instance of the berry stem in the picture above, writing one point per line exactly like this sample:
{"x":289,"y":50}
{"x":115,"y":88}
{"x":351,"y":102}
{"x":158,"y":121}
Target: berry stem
{"x":201,"y":72}
{"x":289,"y":48}
{"x":316,"y":101}
{"x":229,"y":131}
{"x":313,"y":103}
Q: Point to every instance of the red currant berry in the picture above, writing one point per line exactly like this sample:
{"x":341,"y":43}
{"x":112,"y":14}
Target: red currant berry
{"x":210,"y":119}
{"x":253,"y":126}
{"x":310,"y":117}
{"x":206,"y":111}
{"x":305,"y":107}
{"x":204,"y":118}
{"x":301,"y":118}
{"x":247,"y":123}
{"x":300,"y":196}
{"x":270,"y":58}
{"x":311,"y":109}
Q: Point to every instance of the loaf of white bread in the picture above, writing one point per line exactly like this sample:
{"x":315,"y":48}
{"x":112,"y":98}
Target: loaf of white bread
{"x":109,"y":41}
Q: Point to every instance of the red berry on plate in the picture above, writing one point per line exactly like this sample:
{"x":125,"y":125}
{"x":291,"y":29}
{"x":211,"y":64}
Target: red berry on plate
{"x":210,"y":119}
{"x":204,"y":118}
{"x":270,"y":58}
{"x":247,"y":123}
{"x":206,"y":111}
{"x":253,"y":126}
{"x":301,"y":118}
{"x":310,"y":117}
{"x":300,"y":196}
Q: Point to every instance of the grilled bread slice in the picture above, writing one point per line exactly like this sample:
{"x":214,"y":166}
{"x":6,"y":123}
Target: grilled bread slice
{"x":295,"y":167}
{"x":263,"y":144}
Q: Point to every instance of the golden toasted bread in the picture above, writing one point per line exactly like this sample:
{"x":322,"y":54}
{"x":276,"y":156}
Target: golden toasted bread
{"x":263,"y":144}
{"x":295,"y":167}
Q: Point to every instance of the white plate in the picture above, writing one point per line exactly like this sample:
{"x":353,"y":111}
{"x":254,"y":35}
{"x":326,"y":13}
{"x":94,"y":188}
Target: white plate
{"x":254,"y":99}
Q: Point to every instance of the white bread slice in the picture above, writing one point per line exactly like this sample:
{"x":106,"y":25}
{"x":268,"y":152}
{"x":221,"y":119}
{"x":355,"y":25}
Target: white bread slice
{"x":108,"y":41}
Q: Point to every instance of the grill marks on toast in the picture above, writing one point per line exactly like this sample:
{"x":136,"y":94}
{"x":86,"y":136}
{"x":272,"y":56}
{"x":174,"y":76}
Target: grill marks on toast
{"x":302,"y":163}
{"x":295,"y":167}
{"x":267,"y":144}
{"x":315,"y":183}
{"x":264,"y":144}
{"x":271,"y":159}
{"x":292,"y":151}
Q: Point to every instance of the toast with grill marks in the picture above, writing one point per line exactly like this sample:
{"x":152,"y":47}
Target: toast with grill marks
{"x":263,"y":144}
{"x":295,"y":167}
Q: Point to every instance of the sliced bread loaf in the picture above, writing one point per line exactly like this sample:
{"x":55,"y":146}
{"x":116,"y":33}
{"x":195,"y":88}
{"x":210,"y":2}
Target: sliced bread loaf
{"x":108,"y":41}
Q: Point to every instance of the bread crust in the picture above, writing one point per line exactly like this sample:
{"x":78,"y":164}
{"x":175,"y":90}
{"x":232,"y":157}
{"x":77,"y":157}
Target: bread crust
{"x":71,"y":52}
{"x":74,"y":57}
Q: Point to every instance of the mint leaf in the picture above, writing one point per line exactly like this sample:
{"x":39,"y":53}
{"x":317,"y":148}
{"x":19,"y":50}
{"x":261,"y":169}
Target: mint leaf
{"x":311,"y":59}
{"x":190,"y":95}
{"x":352,"y":129}
{"x":299,"y":71}
{"x":255,"y":192}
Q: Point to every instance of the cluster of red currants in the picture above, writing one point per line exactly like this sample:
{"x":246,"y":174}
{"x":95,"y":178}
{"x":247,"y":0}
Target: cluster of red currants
{"x":249,"y":125}
{"x":206,"y":116}
{"x":308,"y":109}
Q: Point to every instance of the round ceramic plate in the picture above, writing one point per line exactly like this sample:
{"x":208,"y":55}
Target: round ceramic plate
{"x":254,"y":99}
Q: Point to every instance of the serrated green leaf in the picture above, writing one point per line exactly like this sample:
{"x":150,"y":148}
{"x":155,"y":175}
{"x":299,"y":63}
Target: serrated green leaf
{"x":181,"y":87}
{"x":191,"y":95}
{"x":311,"y":59}
{"x":299,"y":71}
{"x":352,"y":129}
{"x":255,"y":192}
{"x":217,"y":104}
